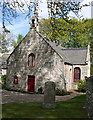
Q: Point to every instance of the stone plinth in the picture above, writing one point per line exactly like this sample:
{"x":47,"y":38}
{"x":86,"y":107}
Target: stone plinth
{"x":89,"y":97}
{"x":49,"y":95}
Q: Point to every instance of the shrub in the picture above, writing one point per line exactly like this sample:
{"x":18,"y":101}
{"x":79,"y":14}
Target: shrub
{"x":81,"y":86}
{"x":61,"y":92}
{"x":65,"y":93}
{"x":40,"y":90}
{"x":58,"y":92}
{"x":3,"y":78}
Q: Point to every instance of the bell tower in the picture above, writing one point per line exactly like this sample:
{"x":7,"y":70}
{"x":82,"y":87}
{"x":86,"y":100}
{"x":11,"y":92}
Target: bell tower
{"x":34,"y":20}
{"x":34,"y":23}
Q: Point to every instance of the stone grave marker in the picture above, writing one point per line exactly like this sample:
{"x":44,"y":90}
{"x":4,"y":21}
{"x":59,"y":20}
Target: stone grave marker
{"x":89,"y":97}
{"x":49,"y":95}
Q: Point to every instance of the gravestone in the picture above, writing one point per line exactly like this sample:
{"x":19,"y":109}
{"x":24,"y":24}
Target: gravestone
{"x":49,"y":95}
{"x":89,"y":97}
{"x":0,"y":101}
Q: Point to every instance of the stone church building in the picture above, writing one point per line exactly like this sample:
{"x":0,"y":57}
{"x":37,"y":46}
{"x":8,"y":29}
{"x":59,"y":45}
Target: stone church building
{"x":36,"y":60}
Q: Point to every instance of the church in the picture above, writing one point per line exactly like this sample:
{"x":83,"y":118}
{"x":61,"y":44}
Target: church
{"x":36,"y":60}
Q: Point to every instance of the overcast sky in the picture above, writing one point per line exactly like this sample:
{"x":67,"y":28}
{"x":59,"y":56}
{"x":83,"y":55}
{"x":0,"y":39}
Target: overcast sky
{"x":21,"y":25}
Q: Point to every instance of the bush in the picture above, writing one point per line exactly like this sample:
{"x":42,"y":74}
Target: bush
{"x":3,"y":78}
{"x":58,"y":91}
{"x":61,"y":92}
{"x":81,"y":86}
{"x":40,"y":90}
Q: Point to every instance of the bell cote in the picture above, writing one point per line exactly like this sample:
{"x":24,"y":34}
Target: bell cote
{"x":34,"y":23}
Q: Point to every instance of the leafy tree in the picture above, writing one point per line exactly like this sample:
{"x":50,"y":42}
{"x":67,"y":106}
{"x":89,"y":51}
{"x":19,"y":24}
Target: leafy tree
{"x":72,"y":34}
{"x":10,"y":9}
{"x":19,"y":38}
{"x":6,"y":42}
{"x":69,"y":34}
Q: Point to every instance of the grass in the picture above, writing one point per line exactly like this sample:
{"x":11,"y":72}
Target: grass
{"x":64,"y":109}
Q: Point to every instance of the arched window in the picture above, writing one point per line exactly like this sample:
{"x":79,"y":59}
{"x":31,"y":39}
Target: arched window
{"x":31,"y":60}
{"x":15,"y":79}
{"x":77,"y":74}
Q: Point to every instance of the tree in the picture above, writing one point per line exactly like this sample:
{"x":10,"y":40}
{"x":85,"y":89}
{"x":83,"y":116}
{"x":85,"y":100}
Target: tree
{"x":6,"y":42}
{"x":19,"y":38}
{"x":71,"y":34}
{"x":10,"y":9}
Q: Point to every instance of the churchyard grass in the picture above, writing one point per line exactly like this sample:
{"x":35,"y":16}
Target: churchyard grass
{"x":72,"y":108}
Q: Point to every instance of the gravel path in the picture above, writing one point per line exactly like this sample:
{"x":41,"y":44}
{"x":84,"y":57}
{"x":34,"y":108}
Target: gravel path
{"x":16,"y":97}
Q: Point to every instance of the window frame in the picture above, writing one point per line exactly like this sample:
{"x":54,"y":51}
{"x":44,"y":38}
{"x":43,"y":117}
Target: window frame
{"x":32,"y":60}
{"x":77,"y":74}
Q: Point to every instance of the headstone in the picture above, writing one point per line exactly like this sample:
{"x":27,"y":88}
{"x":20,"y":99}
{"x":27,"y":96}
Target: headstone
{"x":49,"y":95}
{"x":89,"y":97}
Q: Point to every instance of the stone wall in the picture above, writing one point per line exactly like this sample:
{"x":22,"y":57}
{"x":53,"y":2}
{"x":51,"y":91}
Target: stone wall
{"x":89,"y":97}
{"x":68,"y":73}
{"x":84,"y":70}
{"x":48,"y":65}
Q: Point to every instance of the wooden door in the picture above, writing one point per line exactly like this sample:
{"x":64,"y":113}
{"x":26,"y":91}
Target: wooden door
{"x":31,"y":83}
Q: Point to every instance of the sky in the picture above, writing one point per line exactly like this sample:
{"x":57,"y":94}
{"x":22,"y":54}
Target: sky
{"x":22,"y":26}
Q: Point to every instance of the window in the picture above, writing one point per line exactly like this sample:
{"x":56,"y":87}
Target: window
{"x":77,"y":74}
{"x":15,"y":79}
{"x":31,"y":60}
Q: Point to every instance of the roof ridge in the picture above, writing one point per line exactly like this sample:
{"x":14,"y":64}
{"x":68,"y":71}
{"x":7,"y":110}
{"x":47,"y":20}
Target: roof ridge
{"x":83,"y":48}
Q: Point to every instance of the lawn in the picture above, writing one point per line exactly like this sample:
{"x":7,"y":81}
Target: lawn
{"x":64,"y":109}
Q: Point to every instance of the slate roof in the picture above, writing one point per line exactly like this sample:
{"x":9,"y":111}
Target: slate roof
{"x":74,"y":56}
{"x":71,"y":55}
